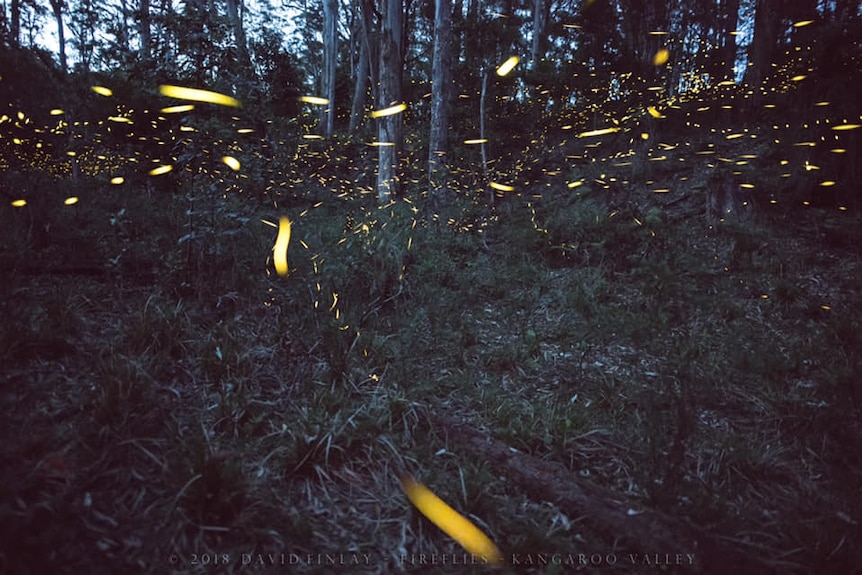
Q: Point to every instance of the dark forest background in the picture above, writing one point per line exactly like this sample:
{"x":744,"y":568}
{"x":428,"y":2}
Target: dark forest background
{"x":605,"y":303}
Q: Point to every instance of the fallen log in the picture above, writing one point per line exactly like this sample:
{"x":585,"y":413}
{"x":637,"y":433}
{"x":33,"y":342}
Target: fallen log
{"x":643,"y":531}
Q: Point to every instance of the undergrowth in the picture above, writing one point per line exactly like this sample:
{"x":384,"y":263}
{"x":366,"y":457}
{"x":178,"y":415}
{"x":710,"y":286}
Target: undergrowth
{"x":183,"y":409}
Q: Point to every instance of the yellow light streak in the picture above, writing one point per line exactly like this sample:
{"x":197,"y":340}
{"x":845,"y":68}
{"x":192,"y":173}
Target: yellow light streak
{"x":450,"y":521}
{"x":315,"y":100}
{"x":279,"y":250}
{"x":601,"y":132}
{"x":508,"y":66}
{"x":231,"y":163}
{"x":197,"y":95}
{"x":390,"y":111}
{"x":161,"y":170}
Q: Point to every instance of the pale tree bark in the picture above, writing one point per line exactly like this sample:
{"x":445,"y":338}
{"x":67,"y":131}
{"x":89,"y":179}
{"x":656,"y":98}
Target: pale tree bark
{"x":389,"y":94}
{"x":541,"y":14}
{"x":368,"y":64}
{"x":441,"y":80}
{"x":357,"y":109}
{"x":233,"y":11}
{"x":330,"y":58}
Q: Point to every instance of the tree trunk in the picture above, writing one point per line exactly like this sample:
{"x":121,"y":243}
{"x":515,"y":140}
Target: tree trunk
{"x":357,"y":109}
{"x":764,"y":45}
{"x":233,"y":10}
{"x":15,"y":25}
{"x":330,"y":56}
{"x":541,"y":13}
{"x":57,"y":7}
{"x":388,"y":127}
{"x":144,"y":29}
{"x":441,"y":80}
{"x":721,"y":59}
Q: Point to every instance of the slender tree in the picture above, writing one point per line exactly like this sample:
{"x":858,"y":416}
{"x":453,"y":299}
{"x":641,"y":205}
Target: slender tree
{"x":144,"y":29}
{"x":541,"y":15}
{"x":57,"y":7}
{"x":441,"y":80}
{"x":234,"y":12}
{"x":764,"y":46}
{"x":362,"y":71}
{"x":389,"y":94}
{"x":330,"y":57}
{"x":15,"y":24}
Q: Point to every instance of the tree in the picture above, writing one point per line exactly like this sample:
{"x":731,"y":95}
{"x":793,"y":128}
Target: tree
{"x":84,"y":22}
{"x":438,"y":144}
{"x":15,"y":24}
{"x":57,"y":7}
{"x":330,"y":58}
{"x":541,"y":14}
{"x":389,"y":94}
{"x":235,"y":17}
{"x":360,"y":30}
{"x":144,"y":29}
{"x":766,"y":41}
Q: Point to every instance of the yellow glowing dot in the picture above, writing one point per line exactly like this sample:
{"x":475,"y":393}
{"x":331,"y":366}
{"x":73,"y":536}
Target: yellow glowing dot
{"x":390,"y":111}
{"x":654,"y":112}
{"x":846,"y":127}
{"x":19,"y":203}
{"x":279,"y":250}
{"x":450,"y":521}
{"x":312,"y":137}
{"x":575,"y":184}
{"x":644,"y":136}
{"x":661,"y":57}
{"x":102,"y":91}
{"x":70,"y":201}
{"x":825,"y":307}
{"x":476,"y":141}
{"x":827,"y":183}
{"x":231,"y":163}
{"x":197,"y":95}
{"x":802,"y":23}
{"x":118,"y":180}
{"x":502,"y":187}
{"x":57,"y":112}
{"x":161,"y":170}
{"x":508,"y":66}
{"x":798,"y":78}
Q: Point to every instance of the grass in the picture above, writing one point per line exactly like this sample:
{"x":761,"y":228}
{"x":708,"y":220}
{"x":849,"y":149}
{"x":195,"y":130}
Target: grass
{"x":188,"y":413}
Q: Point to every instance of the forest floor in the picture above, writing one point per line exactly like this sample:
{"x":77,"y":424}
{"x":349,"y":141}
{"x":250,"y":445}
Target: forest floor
{"x":176,"y":410}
